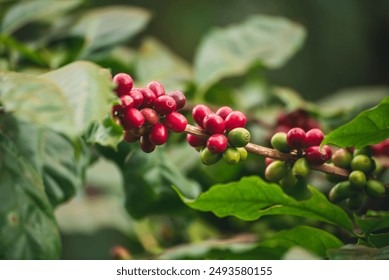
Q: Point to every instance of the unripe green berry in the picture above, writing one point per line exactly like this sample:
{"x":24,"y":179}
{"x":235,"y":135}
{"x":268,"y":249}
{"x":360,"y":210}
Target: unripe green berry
{"x":341,"y":191}
{"x":239,"y":137}
{"x":362,"y":163}
{"x":300,"y":168}
{"x":355,"y":202}
{"x":377,"y":166}
{"x":289,"y":179}
{"x":374,"y":188}
{"x":275,"y":171}
{"x":243,"y":153}
{"x":342,"y":158}
{"x":209,"y":158}
{"x":357,"y":179}
{"x":278,"y":141}
{"x":231,"y":155}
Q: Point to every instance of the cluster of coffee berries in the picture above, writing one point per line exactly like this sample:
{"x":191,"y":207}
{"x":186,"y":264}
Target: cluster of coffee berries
{"x":297,"y":118}
{"x":227,"y":135}
{"x":147,"y":113}
{"x":363,"y":169}
{"x":381,"y":149}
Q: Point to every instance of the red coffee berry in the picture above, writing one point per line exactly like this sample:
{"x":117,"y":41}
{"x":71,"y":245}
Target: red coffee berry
{"x":117,"y":110}
{"x":151,"y":116}
{"x":235,"y":119}
{"x":130,"y":137}
{"x":137,"y":96}
{"x":296,"y":138}
{"x":224,"y":112}
{"x":217,"y":143}
{"x":126,"y":101}
{"x":145,"y":144}
{"x":199,"y":112}
{"x":132,"y":118}
{"x":195,"y":141}
{"x":165,"y":105}
{"x":158,"y":134}
{"x":315,"y":156}
{"x":157,"y":88}
{"x":268,"y":161}
{"x":175,"y":122}
{"x":123,"y":83}
{"x":328,"y":151}
{"x":180,"y":99}
{"x":214,"y":124}
{"x":148,"y":97}
{"x":314,"y":137}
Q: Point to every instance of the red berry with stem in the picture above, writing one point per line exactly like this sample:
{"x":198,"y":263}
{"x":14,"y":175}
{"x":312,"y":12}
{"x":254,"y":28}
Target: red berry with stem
{"x":296,"y":138}
{"x":235,"y":119}
{"x":123,"y":83}
{"x":195,"y":141}
{"x":151,"y":116}
{"x":199,"y":112}
{"x":214,"y":124}
{"x":117,"y":110}
{"x":180,"y":99}
{"x":328,"y":151}
{"x":158,"y":134}
{"x":316,"y":156}
{"x":132,"y":118}
{"x":217,"y":143}
{"x":126,"y":101}
{"x":137,"y":96}
{"x":175,"y":122}
{"x":165,"y":105}
{"x":157,"y":88}
{"x":146,"y":145}
{"x":224,"y":112}
{"x":314,"y":137}
{"x":148,"y":97}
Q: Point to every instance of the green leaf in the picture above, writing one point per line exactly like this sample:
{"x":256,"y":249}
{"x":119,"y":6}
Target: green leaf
{"x":231,"y":51}
{"x":88,"y":91}
{"x":373,"y":221}
{"x":293,"y":100}
{"x":108,"y":133}
{"x":252,"y":198}
{"x":148,"y":179}
{"x":369,"y":127}
{"x":379,"y":240}
{"x":28,"y":11}
{"x":359,"y":252}
{"x":103,"y":27}
{"x":312,"y":239}
{"x":156,"y":62}
{"x":27,"y":226}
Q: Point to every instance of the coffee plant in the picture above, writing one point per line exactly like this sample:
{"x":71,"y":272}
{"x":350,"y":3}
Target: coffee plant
{"x":209,"y":162}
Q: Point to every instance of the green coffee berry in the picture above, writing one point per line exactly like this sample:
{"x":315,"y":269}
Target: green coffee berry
{"x":341,"y":191}
{"x":278,"y":141}
{"x":243,"y":153}
{"x":362,"y":163}
{"x":342,"y":158}
{"x":300,"y":168}
{"x":239,"y":137}
{"x":378,"y":166}
{"x":209,"y":158}
{"x":355,"y":202}
{"x":231,"y":155}
{"x":275,"y":171}
{"x":374,"y":188}
{"x":357,"y":179}
{"x":289,"y":179}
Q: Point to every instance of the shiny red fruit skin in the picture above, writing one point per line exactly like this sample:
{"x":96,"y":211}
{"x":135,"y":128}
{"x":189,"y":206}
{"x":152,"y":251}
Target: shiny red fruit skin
{"x":217,"y":143}
{"x":157,"y":88}
{"x":126,"y":101}
{"x":180,"y":99}
{"x":175,"y":122}
{"x":195,"y":141}
{"x":132,"y":118}
{"x":315,"y":156}
{"x":224,"y":112}
{"x":129,"y":137}
{"x":123,"y":82}
{"x":151,"y":116}
{"x":268,"y":161}
{"x":296,"y":138}
{"x":145,"y":144}
{"x":314,"y":137}
{"x":328,"y":151}
{"x":117,"y":110}
{"x":214,"y":124}
{"x":137,"y":96}
{"x":199,"y":112}
{"x":148,"y":97}
{"x":158,"y":134}
{"x":165,"y":105}
{"x":235,"y":119}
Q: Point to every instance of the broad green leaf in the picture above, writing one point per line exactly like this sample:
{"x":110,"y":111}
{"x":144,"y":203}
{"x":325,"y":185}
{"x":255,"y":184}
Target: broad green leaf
{"x":373,"y":221}
{"x":148,"y":179}
{"x":231,"y":51}
{"x":359,"y":252}
{"x":28,"y":11}
{"x":103,"y":27}
{"x":369,"y":127}
{"x":108,"y":133}
{"x":293,"y":100}
{"x":379,"y":240}
{"x":88,"y":92}
{"x":156,"y":62}
{"x":27,"y":226}
{"x":252,"y":198}
{"x":314,"y":240}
